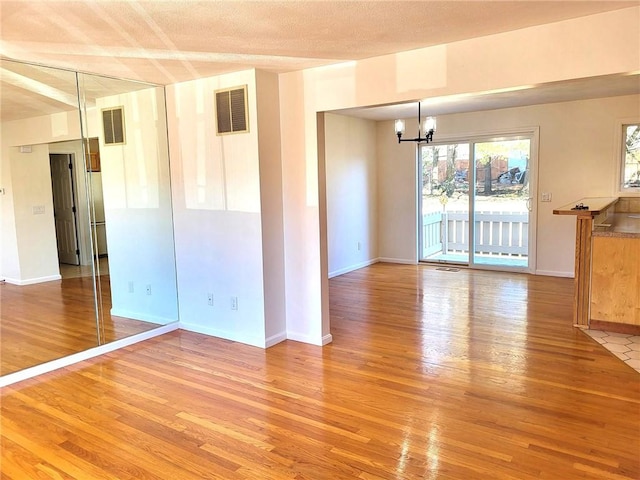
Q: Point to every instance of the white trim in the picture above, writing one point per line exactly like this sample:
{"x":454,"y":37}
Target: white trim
{"x":534,"y":195}
{"x":481,"y":136}
{"x":532,"y":133}
{"x":328,"y":338}
{"x":404,"y":261}
{"x":619,"y":156}
{"x":47,"y":367}
{"x":33,"y":281}
{"x":312,"y":340}
{"x":553,"y":273}
{"x":351,"y":268}
{"x":142,"y":316}
{"x":239,"y":337}
{"x":274,"y":339}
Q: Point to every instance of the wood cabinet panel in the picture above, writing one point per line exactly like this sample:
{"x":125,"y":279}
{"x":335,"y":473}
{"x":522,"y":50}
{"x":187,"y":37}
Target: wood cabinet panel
{"x":615,"y":280}
{"x":93,"y":162}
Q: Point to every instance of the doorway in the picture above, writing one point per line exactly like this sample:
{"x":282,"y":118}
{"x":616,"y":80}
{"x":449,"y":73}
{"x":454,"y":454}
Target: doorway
{"x":64,"y":208}
{"x":475,"y":204}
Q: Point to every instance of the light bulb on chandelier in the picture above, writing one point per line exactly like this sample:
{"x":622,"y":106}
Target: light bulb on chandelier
{"x":429,"y":129}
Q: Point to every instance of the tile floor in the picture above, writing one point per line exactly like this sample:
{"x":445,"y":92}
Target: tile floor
{"x":625,"y":347}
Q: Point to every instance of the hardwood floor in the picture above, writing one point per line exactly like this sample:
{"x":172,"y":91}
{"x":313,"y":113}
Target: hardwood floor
{"x":45,"y":321}
{"x":431,"y":375}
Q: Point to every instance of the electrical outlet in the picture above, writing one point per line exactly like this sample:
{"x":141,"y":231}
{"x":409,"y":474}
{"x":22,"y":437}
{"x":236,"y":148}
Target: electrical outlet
{"x":210,"y":299}
{"x":38,"y":210}
{"x":148,"y":289}
{"x":130,"y":287}
{"x":546,"y":197}
{"x":234,"y":303}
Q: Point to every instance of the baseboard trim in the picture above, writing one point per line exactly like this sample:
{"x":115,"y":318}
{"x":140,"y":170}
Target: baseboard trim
{"x":47,"y":367}
{"x":553,"y":273}
{"x":214,"y":332}
{"x":275,"y":339}
{"x":33,"y":281}
{"x":328,"y":338}
{"x":403,"y":261}
{"x":141,"y":317}
{"x":304,"y":338}
{"x":624,"y":328}
{"x":352,"y":268}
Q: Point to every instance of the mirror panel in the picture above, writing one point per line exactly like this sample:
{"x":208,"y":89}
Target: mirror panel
{"x":47,"y":307}
{"x":131,"y":203}
{"x":86,"y":252}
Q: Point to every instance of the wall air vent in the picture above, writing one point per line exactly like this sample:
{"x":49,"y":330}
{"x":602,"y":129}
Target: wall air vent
{"x":113,"y":124}
{"x":231,"y":110}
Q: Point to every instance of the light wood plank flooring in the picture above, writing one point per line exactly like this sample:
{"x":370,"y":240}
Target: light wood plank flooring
{"x":45,"y":321}
{"x":431,"y":375}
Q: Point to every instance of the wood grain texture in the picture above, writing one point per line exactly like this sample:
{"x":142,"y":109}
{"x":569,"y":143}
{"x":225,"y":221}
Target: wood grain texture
{"x":615,"y":280}
{"x":582,"y":276}
{"x":45,"y":321}
{"x":431,"y":375}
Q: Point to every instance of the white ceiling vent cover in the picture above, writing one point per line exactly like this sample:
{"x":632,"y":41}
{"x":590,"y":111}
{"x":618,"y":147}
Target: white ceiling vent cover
{"x":113,"y":125}
{"x":231,"y":110}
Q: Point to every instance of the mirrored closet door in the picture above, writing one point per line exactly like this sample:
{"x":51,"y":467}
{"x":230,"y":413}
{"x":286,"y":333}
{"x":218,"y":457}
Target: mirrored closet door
{"x":86,"y":235}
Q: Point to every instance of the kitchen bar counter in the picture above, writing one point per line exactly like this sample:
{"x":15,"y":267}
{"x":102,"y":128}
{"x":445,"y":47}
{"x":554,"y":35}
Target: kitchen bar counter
{"x":624,"y":225}
{"x":607,"y":263}
{"x":596,"y":208}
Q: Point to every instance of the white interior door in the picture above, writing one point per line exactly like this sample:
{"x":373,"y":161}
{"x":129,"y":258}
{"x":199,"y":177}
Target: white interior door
{"x":64,"y":208}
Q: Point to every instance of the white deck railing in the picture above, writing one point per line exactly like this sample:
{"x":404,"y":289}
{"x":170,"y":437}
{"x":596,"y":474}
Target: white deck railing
{"x":496,"y":233}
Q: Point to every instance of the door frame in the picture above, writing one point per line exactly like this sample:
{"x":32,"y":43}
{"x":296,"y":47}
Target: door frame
{"x":533,"y":133}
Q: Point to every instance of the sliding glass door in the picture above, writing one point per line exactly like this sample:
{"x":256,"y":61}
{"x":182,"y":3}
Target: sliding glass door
{"x":444,"y":209}
{"x":501,"y":203}
{"x":487,"y":224}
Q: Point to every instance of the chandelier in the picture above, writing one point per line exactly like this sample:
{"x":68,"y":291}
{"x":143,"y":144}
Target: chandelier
{"x":429,"y":129}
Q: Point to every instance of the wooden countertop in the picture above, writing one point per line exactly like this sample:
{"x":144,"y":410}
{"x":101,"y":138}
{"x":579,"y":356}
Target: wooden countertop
{"x":596,"y":206}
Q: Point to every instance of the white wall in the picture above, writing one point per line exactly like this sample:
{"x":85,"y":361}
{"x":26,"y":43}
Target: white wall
{"x":268,"y":111}
{"x":512,"y":59}
{"x":217,"y":204}
{"x":9,"y":260}
{"x":137,"y":207}
{"x":577,"y":158}
{"x":397,"y":197}
{"x":351,"y":193}
{"x":36,"y":233}
{"x":30,"y":256}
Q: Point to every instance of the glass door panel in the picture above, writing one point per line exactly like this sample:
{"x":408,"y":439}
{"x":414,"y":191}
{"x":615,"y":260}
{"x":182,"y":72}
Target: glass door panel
{"x":444,"y":205}
{"x":501,"y":203}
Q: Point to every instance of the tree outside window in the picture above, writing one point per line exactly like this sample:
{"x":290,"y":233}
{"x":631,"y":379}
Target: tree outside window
{"x":631,"y":161}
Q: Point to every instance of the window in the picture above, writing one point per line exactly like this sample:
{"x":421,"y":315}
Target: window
{"x":630,"y":171}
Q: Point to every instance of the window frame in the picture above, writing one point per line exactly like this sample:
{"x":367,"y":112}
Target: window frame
{"x":620,"y":156}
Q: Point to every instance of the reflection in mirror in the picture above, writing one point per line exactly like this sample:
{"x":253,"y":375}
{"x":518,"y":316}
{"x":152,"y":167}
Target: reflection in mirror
{"x":74,"y":206}
{"x":131,"y":214}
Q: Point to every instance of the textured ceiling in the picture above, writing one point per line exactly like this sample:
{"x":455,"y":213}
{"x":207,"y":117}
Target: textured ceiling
{"x":170,"y":41}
